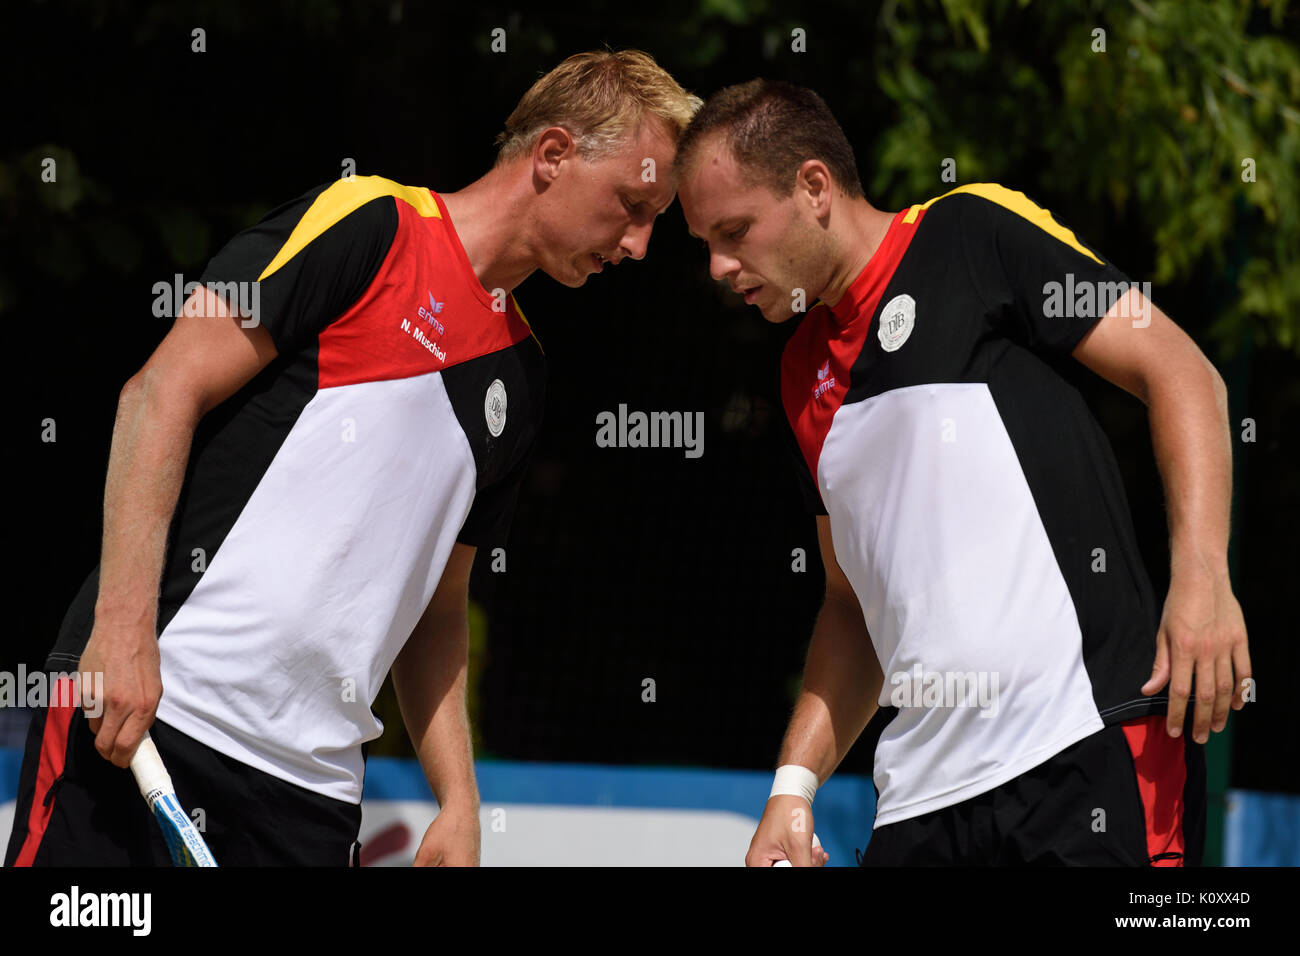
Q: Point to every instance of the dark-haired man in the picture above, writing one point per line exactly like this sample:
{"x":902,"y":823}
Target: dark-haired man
{"x":982,"y":571}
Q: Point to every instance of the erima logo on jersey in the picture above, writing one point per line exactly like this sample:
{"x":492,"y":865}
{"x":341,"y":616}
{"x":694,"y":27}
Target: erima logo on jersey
{"x":896,"y":322}
{"x":430,"y":314}
{"x":825,"y":380}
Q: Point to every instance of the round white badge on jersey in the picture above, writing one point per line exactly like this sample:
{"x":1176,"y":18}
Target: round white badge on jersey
{"x":896,"y":321}
{"x":494,"y":408}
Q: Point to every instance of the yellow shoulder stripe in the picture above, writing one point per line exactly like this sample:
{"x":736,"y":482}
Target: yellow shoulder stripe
{"x":527,"y":323}
{"x":342,"y":198}
{"x":1018,"y":203}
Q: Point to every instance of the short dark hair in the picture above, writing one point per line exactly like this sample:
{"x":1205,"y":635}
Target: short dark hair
{"x":772,"y":128}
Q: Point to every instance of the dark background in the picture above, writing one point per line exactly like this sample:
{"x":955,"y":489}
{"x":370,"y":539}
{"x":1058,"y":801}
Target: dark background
{"x":623,"y":564}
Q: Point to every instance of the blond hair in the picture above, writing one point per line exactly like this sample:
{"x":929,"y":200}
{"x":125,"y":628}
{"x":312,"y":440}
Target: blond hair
{"x":599,"y":97}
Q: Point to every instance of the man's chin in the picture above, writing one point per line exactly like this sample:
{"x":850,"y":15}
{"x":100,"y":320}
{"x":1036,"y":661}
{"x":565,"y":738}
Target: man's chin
{"x":570,"y":278}
{"x":775,"y":316}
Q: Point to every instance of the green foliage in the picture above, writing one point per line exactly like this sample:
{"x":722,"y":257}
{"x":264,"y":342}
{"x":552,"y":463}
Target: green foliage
{"x":1154,"y":130}
{"x":1164,"y":125}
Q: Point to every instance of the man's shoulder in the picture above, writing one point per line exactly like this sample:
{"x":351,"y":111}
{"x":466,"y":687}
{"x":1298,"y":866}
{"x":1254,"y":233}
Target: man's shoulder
{"x":334,"y":201}
{"x":990,"y":216}
{"x":989,"y":197}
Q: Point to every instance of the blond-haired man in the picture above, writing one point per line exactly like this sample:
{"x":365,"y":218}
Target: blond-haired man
{"x":296,"y":489}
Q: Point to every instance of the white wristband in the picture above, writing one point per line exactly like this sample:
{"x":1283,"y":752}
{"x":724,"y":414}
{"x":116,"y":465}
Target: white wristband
{"x":794,"y":780}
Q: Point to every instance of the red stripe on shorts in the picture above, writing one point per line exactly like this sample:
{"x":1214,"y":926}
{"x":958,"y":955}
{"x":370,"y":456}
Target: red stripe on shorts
{"x":1161,"y":775}
{"x":54,"y":753}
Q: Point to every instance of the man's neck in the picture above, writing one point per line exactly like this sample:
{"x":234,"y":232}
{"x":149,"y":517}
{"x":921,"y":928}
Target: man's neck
{"x":864,"y":230}
{"x":489,"y":216}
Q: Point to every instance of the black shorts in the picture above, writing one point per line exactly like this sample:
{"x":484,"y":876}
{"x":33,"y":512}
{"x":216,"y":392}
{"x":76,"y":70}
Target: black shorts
{"x":1128,"y":795}
{"x":77,"y":809}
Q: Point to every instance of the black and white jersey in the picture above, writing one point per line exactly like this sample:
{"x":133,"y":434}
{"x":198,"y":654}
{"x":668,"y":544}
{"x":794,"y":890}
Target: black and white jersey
{"x":975,"y":504}
{"x":322,"y":501}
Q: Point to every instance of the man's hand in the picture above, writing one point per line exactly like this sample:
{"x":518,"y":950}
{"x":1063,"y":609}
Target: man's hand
{"x":785,"y":833}
{"x":1203,"y":636}
{"x":124,"y":687}
{"x":452,"y":839}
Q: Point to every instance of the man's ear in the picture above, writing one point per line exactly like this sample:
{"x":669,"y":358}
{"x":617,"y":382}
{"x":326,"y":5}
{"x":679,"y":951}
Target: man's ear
{"x":553,"y":147}
{"x":814,"y":180}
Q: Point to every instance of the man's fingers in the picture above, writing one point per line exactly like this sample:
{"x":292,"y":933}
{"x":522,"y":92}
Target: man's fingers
{"x":110,"y":725}
{"x":801,"y":853}
{"x":1160,"y":670}
{"x":1223,"y":689}
{"x":1241,"y":664}
{"x":766,"y":854}
{"x":1180,"y":689}
{"x":1203,"y":709}
{"x":129,"y":737}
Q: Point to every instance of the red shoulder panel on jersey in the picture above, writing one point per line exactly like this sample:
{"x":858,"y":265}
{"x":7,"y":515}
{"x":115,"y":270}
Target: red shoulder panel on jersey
{"x":817,"y":360}
{"x":392,"y":332}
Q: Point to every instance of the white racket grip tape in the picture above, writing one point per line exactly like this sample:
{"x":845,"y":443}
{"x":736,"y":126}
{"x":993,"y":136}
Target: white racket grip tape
{"x":150,"y":774}
{"x":816,"y":843}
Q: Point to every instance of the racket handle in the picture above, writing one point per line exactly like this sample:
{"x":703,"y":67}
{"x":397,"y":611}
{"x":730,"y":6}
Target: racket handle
{"x":150,"y":774}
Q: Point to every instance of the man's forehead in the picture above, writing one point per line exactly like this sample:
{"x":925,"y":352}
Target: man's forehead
{"x":714,"y":167}
{"x":659,"y":194}
{"x":714,"y":192}
{"x":646,"y":162}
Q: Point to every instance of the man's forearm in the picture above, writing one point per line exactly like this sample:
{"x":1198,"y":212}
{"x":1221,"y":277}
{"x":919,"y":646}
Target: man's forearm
{"x":841,"y":690}
{"x":1190,"y":435}
{"x":146,"y":467}
{"x":430,"y":677}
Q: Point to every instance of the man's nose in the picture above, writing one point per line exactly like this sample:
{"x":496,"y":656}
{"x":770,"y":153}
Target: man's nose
{"x":636,"y":240}
{"x":721,"y":266}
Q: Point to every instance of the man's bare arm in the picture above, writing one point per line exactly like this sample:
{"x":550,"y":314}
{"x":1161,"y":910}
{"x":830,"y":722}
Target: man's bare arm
{"x":1202,"y":633}
{"x":841,"y":690}
{"x":430,"y":676}
{"x":841,"y":678}
{"x":206,"y":357}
